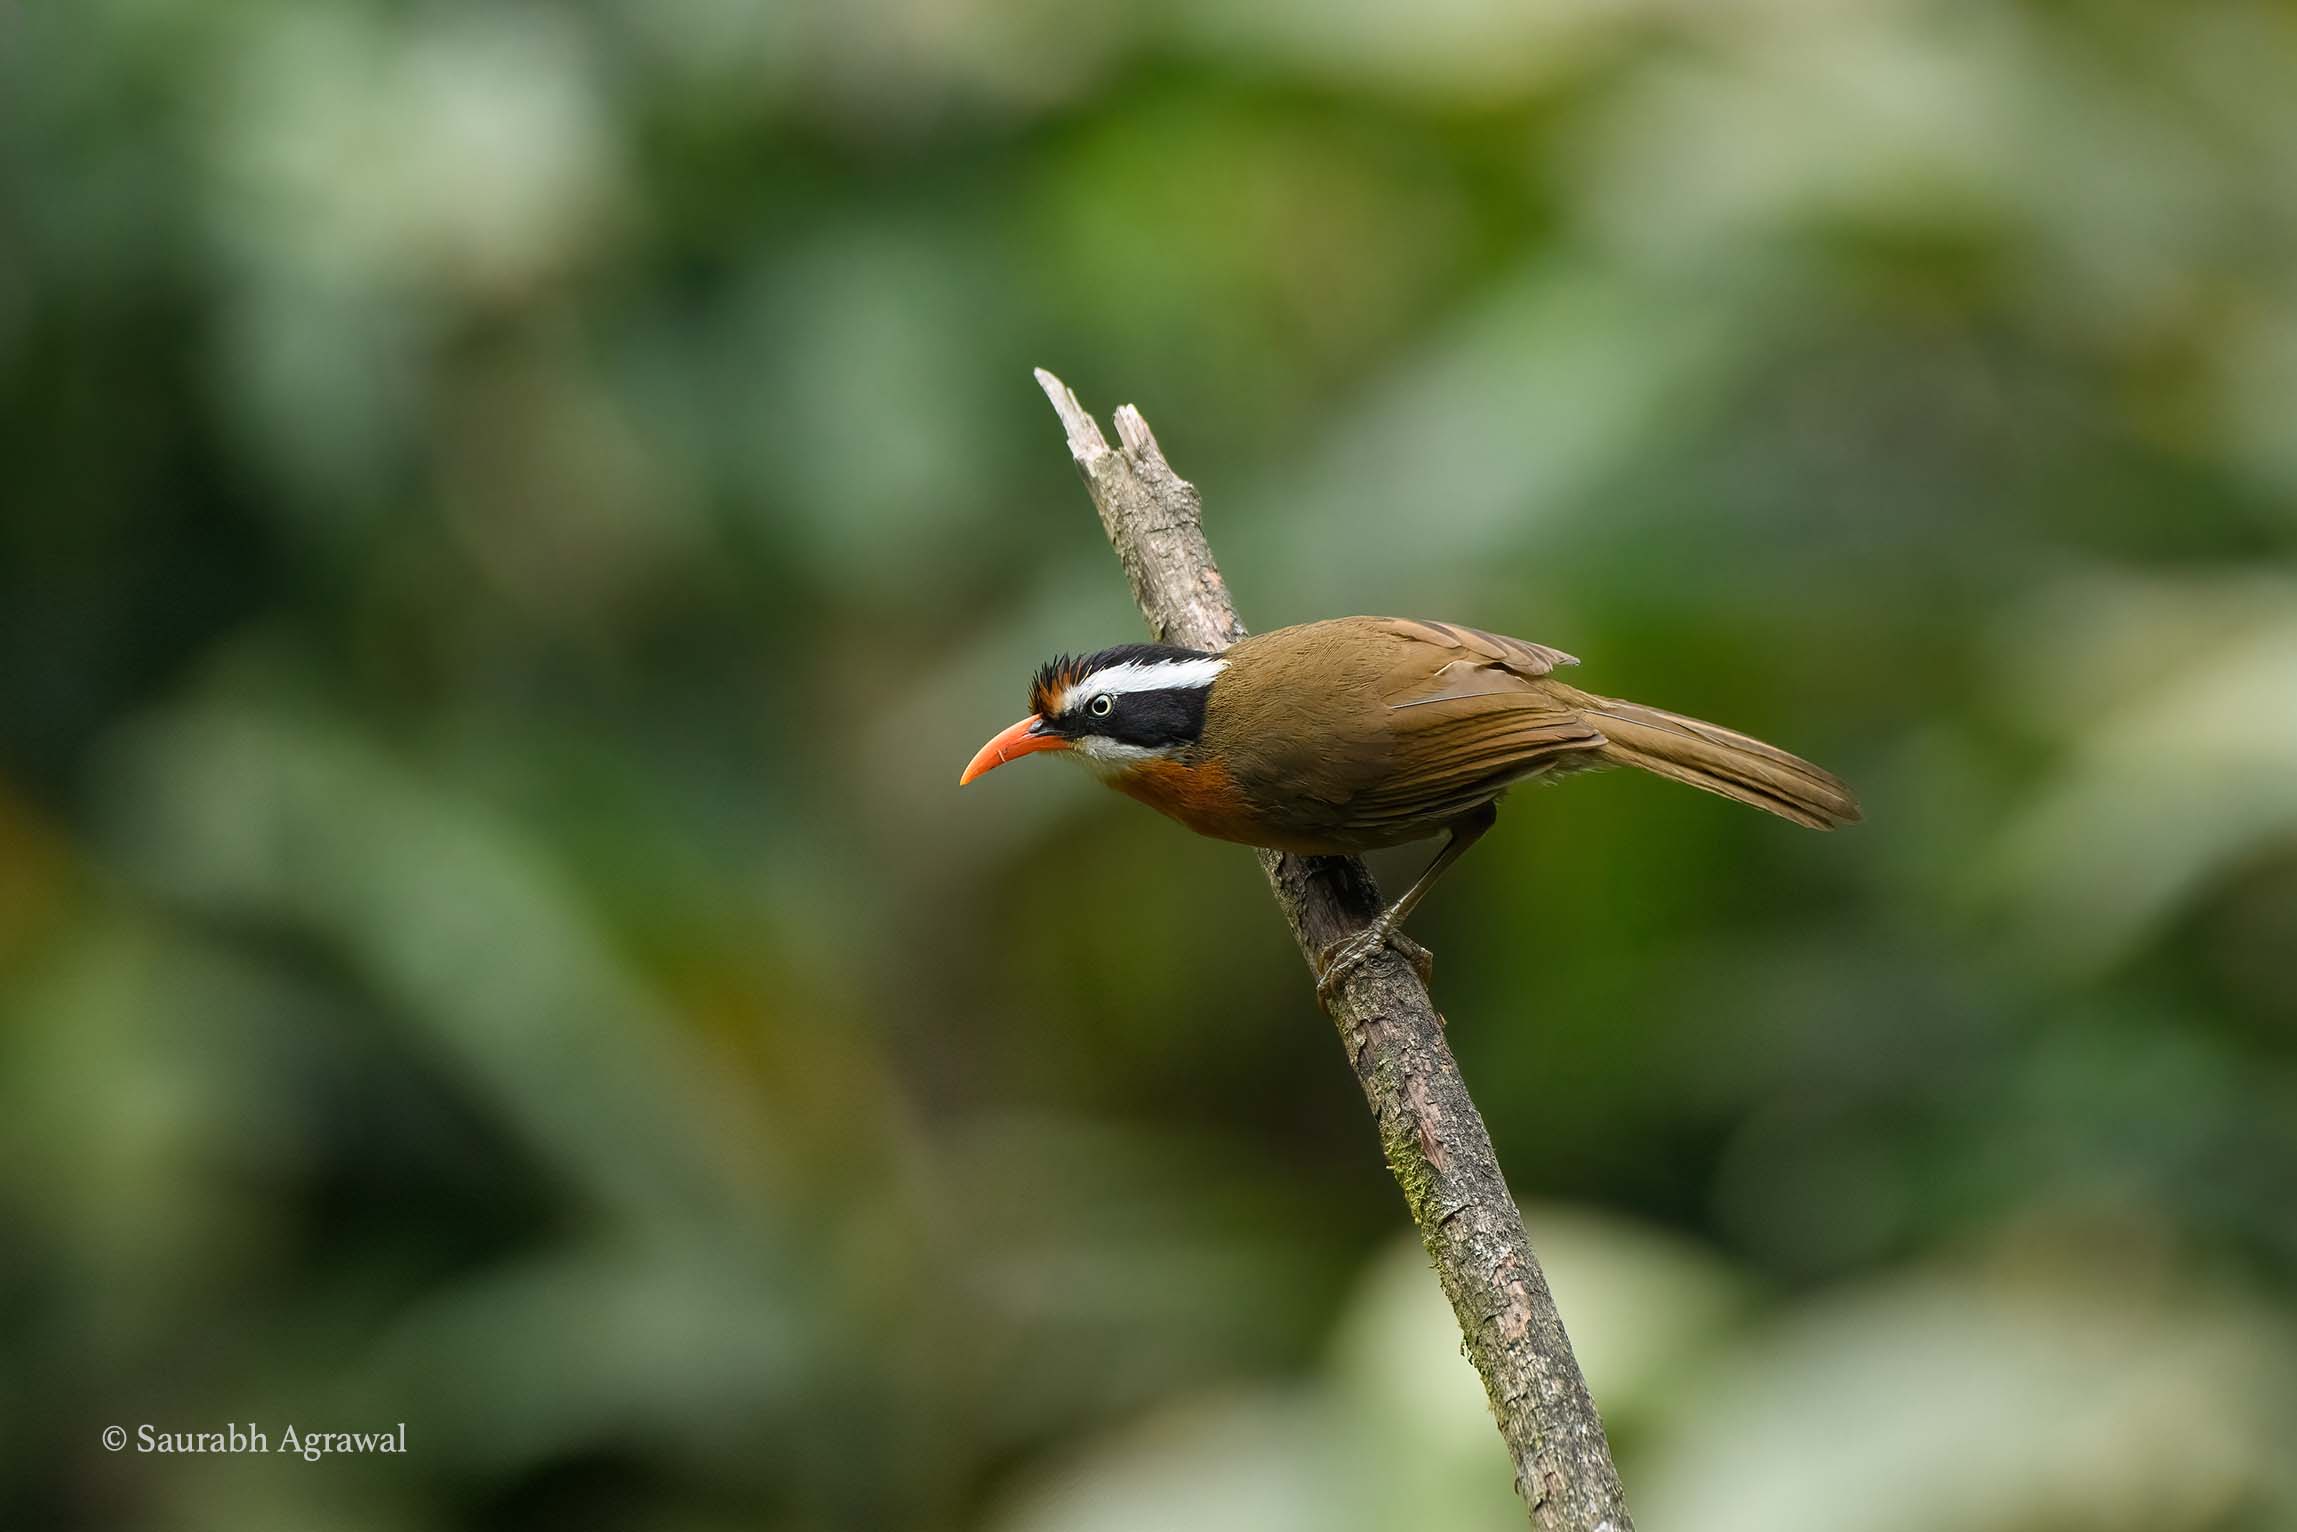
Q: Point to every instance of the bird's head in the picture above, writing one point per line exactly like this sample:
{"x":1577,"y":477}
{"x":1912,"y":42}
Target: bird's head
{"x":1113,"y":710}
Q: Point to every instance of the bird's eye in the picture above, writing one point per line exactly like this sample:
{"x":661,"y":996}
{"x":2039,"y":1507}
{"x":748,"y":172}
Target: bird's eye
{"x":1101,"y":706}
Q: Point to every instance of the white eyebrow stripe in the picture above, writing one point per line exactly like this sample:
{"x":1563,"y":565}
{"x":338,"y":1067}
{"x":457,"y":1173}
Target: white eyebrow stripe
{"x":1154,"y":676}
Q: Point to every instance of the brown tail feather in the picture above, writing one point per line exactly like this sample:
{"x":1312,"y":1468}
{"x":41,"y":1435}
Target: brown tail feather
{"x":1722,"y":761}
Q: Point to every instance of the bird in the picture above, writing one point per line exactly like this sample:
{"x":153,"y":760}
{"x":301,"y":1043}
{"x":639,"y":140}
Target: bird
{"x":1357,"y":733}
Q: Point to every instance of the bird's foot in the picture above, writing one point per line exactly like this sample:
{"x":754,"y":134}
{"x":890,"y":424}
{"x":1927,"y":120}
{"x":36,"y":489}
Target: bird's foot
{"x":1350,"y":953}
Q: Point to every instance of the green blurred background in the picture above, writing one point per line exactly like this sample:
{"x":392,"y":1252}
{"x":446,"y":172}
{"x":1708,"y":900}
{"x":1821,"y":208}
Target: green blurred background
{"x":512,"y":518}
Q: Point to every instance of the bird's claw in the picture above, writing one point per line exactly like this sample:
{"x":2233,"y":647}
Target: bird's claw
{"x":1350,"y":953}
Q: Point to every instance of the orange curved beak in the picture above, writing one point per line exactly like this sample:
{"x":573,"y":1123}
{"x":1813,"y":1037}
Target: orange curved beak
{"x":1021,"y":739}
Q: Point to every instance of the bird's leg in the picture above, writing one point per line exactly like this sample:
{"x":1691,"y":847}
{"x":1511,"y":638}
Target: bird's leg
{"x":1349,"y":953}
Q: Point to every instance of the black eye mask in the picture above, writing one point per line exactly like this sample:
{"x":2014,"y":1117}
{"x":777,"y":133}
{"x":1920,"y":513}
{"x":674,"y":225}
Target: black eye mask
{"x":1152,"y":719}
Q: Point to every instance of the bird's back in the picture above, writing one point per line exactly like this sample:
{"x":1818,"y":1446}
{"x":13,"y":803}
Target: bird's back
{"x":1362,"y":732}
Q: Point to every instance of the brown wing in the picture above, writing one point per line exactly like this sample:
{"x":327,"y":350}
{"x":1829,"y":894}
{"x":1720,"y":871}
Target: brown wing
{"x":1468,"y":712}
{"x":1447,"y":659}
{"x":1391,"y":727}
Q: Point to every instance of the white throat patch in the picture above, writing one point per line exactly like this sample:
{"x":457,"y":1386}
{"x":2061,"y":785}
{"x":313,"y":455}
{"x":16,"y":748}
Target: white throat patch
{"x":1110,"y":757}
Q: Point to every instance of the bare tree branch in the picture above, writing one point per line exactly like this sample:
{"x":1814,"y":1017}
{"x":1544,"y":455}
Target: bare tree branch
{"x":1435,"y":1140}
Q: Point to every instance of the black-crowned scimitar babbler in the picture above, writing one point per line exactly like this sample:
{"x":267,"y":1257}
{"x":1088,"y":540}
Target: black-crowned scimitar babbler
{"x":1345,"y":736}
